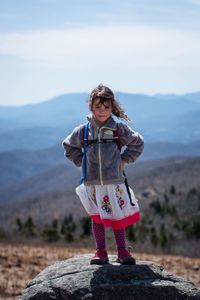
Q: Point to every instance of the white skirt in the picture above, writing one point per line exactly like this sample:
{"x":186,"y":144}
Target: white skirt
{"x":109,"y":204}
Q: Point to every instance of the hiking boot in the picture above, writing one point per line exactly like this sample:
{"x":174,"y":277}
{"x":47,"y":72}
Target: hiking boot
{"x":125,"y":257}
{"x":100,"y":257}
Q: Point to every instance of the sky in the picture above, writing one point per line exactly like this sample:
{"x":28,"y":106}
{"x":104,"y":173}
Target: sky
{"x":52,"y":47}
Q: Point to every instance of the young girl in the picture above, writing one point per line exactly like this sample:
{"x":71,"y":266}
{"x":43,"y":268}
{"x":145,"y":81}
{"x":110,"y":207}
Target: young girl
{"x":104,"y":194}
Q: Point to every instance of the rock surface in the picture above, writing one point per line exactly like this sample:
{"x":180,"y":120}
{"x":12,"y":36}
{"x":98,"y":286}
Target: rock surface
{"x":76,"y":279}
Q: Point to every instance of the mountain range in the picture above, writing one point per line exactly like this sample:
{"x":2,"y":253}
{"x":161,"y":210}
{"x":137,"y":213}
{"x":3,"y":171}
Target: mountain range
{"x":159,"y":118}
{"x":37,"y":179}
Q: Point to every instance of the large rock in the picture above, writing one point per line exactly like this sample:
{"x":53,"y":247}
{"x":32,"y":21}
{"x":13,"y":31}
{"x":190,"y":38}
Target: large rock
{"x":76,"y":279}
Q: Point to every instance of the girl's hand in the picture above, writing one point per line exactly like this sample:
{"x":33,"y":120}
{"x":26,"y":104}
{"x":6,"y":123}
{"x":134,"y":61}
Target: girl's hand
{"x":122,"y":165}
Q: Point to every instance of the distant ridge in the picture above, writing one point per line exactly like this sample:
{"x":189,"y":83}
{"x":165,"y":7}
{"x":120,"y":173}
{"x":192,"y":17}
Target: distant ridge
{"x":42,"y":125}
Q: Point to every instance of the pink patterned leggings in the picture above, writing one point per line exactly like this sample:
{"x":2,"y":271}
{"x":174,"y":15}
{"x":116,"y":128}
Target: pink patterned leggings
{"x":99,"y":236}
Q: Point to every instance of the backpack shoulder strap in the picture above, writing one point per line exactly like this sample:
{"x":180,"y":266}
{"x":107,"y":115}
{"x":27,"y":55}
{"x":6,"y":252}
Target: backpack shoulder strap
{"x":84,"y":143}
{"x":84,"y":133}
{"x":117,"y":134}
{"x":86,"y":127}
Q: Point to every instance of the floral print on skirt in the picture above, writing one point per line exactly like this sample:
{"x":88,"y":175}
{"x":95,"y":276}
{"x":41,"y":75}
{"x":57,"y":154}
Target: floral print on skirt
{"x":109,"y":204}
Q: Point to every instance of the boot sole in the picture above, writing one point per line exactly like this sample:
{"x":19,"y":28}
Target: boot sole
{"x":99,"y":261}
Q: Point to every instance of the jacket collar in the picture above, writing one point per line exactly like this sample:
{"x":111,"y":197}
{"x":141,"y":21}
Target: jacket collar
{"x":110,"y":124}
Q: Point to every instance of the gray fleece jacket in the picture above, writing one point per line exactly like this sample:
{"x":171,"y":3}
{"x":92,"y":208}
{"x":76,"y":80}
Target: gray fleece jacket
{"x":104,"y":160}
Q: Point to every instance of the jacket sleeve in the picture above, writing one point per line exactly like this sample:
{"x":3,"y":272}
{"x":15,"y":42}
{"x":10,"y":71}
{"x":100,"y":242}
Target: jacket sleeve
{"x":133,"y":142}
{"x":73,"y":146}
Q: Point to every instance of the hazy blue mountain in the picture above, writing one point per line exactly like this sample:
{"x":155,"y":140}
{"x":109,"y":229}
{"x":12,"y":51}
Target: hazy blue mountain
{"x":33,"y":138}
{"x":17,"y":166}
{"x":161,"y":150}
{"x":7,"y":124}
{"x":169,"y":118}
{"x":195,"y":96}
{"x":60,"y":110}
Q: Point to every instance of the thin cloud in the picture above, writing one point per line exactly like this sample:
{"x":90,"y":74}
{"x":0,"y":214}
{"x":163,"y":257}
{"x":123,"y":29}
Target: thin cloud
{"x":119,"y":45}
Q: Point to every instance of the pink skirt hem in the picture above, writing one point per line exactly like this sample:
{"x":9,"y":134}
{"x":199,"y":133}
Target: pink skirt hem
{"x":117,"y":224}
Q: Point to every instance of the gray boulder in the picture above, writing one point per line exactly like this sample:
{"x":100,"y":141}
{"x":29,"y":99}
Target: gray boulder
{"x":76,"y":279}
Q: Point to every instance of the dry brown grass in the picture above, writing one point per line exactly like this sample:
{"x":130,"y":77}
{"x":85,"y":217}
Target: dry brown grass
{"x":20,"y":263}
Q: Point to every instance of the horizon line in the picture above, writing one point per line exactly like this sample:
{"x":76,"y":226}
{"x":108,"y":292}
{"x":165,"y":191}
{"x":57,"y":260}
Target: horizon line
{"x":158,"y":94}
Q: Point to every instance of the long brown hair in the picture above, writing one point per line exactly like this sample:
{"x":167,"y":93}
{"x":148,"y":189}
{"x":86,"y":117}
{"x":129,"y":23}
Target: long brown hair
{"x":105,"y":94}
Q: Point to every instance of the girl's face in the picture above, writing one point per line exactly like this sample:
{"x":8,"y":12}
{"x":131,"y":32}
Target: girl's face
{"x":101,"y":111}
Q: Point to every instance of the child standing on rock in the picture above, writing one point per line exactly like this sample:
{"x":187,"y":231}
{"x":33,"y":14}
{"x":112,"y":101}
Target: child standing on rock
{"x":104,"y":191}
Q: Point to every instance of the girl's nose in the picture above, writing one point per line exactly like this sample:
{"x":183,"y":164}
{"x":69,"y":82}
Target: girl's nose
{"x":102,"y":109}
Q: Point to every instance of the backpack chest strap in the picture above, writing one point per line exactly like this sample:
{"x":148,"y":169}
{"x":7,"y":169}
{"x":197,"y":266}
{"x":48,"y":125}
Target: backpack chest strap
{"x":100,"y":141}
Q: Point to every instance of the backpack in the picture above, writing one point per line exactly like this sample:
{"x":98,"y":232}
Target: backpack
{"x":116,"y":139}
